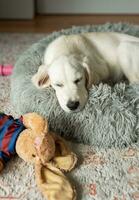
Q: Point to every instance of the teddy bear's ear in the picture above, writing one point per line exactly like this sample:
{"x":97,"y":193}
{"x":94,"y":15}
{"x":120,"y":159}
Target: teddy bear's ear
{"x":36,"y":123}
{"x":25,"y":146}
{"x":53,"y":183}
{"x":64,"y":158}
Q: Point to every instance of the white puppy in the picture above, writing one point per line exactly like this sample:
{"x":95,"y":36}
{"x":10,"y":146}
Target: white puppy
{"x":73,"y":63}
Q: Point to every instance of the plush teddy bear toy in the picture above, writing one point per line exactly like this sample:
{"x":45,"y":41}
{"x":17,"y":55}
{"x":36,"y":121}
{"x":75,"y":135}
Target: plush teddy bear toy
{"x":50,"y":155}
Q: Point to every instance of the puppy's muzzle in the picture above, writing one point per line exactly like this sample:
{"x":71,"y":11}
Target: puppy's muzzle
{"x":73,"y":105}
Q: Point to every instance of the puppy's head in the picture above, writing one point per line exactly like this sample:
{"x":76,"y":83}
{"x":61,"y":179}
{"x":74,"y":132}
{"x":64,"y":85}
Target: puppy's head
{"x":70,"y":77}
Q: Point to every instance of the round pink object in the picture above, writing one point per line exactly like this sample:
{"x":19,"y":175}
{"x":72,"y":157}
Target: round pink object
{"x":6,"y":70}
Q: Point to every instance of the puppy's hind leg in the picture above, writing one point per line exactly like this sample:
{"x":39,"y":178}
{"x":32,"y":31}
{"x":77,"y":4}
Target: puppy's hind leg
{"x":128,"y":56}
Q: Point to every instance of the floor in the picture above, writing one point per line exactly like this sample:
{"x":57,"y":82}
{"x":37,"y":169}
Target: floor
{"x":45,"y":24}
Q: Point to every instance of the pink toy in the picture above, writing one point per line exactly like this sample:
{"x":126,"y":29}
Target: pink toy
{"x":6,"y":70}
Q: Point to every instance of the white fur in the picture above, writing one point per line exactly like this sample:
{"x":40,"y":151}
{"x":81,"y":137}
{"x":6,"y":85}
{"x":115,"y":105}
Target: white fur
{"x":93,"y":57}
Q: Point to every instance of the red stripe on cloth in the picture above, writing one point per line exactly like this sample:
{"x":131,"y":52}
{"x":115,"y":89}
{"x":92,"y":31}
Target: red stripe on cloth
{"x":3,"y":120}
{"x":7,"y":138}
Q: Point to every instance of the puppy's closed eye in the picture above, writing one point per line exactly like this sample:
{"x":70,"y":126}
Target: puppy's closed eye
{"x":77,"y":80}
{"x":59,"y":84}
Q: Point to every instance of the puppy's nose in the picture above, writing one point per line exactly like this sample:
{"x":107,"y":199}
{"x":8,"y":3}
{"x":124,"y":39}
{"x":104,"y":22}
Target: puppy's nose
{"x":73,"y":105}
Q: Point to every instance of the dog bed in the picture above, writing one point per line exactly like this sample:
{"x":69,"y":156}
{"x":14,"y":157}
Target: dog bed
{"x":111,"y":115}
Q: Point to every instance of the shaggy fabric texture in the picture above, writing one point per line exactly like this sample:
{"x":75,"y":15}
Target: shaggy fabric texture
{"x":110,"y":118}
{"x":101,"y":174}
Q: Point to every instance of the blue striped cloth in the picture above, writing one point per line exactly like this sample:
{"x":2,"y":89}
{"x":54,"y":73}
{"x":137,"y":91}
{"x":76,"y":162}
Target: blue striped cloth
{"x":10,"y":129}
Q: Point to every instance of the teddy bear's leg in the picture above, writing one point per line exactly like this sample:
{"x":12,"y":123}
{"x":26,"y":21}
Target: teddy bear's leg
{"x":64,"y":158}
{"x":53,"y":183}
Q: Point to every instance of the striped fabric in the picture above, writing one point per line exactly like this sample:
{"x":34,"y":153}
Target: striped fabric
{"x":10,"y":129}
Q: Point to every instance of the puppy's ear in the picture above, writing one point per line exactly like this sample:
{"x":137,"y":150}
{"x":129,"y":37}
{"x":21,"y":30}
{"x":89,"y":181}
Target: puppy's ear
{"x":41,"y":78}
{"x":87,"y":72}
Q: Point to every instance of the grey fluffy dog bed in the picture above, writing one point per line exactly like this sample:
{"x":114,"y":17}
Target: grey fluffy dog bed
{"x":111,"y":116}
